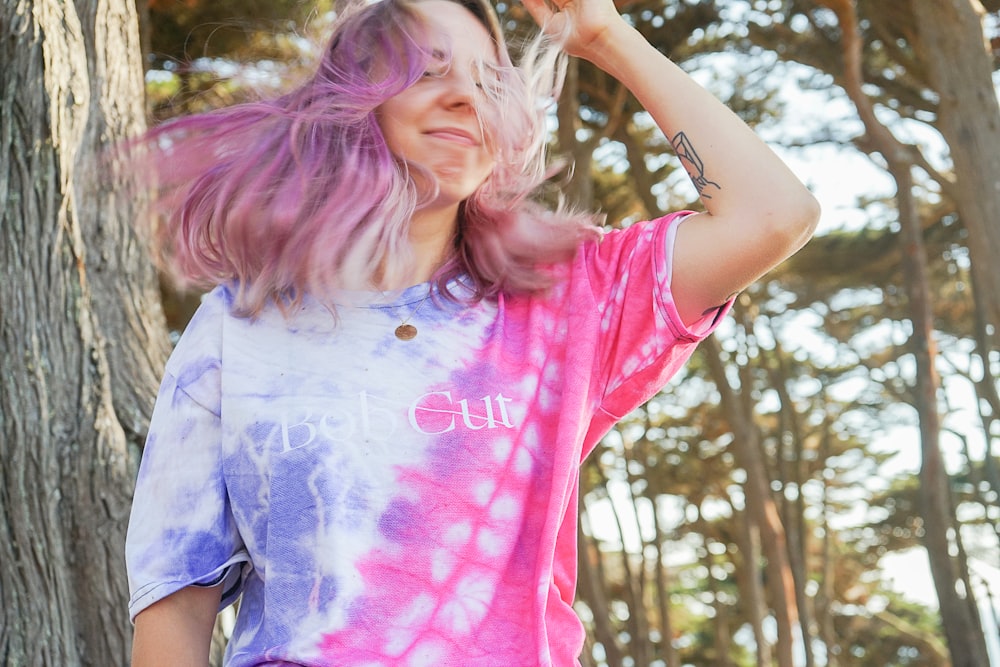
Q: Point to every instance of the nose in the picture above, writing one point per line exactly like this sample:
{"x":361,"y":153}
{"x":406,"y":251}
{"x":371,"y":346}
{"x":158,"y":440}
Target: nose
{"x":461,"y":90}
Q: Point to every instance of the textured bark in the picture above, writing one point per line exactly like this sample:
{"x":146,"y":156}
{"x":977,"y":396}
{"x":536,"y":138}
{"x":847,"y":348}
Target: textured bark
{"x":82,"y":338}
{"x":969,"y":119}
{"x":959,"y":60}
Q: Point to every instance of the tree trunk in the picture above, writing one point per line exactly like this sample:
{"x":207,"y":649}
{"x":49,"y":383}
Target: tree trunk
{"x":959,"y":61}
{"x":630,"y":593}
{"x":760,"y":505}
{"x":641,"y":648}
{"x":986,"y":392}
{"x":748,"y":539}
{"x":592,"y":583}
{"x":669,"y":651}
{"x":827,"y":593}
{"x":579,"y":191}
{"x":794,"y":510}
{"x":959,"y":615}
{"x":721,"y":633}
{"x":82,"y":335}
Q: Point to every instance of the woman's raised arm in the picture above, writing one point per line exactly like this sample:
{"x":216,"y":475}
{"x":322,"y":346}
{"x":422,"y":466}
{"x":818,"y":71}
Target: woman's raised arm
{"x":758,"y":212}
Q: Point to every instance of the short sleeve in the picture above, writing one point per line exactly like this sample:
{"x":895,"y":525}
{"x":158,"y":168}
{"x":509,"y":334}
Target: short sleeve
{"x":181,"y":530}
{"x":642,"y":340}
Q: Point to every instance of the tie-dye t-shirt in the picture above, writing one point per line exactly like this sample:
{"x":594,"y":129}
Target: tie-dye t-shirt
{"x":380,"y":502}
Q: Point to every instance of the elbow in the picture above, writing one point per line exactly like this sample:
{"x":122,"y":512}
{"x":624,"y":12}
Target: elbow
{"x":810,"y":211}
{"x":799,"y":221}
{"x":785,"y":226}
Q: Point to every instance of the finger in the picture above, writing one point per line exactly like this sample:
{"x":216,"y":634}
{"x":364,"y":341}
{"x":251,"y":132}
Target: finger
{"x":540,"y":11}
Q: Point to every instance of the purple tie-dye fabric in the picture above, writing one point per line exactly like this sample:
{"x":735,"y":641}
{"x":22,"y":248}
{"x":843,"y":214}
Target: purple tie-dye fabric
{"x":380,"y":502}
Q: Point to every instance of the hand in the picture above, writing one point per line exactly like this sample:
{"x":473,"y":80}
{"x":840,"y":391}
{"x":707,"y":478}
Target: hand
{"x":584,"y":25}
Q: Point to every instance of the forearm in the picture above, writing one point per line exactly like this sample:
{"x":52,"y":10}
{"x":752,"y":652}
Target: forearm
{"x":758,"y":212}
{"x":730,"y":166}
{"x":177,"y":630}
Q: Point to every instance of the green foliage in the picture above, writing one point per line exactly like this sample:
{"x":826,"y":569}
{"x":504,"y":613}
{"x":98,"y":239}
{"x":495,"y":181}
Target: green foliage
{"x":204,"y":55}
{"x":185,"y":30}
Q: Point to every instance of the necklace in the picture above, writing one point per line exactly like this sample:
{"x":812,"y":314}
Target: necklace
{"x":405,"y":330}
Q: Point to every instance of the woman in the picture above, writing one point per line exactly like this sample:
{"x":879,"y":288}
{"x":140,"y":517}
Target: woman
{"x":372,"y":429}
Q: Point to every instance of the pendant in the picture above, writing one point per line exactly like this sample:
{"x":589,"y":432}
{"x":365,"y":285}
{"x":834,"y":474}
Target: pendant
{"x":406,"y":332}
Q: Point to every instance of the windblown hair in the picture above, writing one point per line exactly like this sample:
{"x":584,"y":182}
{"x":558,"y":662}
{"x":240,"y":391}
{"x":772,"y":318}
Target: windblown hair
{"x":301,"y":194}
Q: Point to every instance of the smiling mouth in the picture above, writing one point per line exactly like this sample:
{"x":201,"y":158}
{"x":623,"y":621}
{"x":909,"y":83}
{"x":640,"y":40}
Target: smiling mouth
{"x":454,"y":135}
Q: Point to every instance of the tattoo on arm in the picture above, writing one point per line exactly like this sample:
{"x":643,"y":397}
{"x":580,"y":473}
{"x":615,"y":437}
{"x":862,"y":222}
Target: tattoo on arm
{"x":693,"y":164}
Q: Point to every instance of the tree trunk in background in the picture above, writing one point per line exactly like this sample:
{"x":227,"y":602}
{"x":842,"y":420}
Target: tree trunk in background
{"x":751,"y":586}
{"x":579,"y":191}
{"x":959,"y":62}
{"x":827,"y":591}
{"x":82,"y":336}
{"x":959,"y":616}
{"x":790,"y":457}
{"x":668,"y":652}
{"x":760,"y":505}
{"x":986,"y":391}
{"x":640,"y":647}
{"x":969,"y":120}
{"x":722,"y":638}
{"x":590,"y":584}
{"x":593,"y":579}
{"x":630,"y":580}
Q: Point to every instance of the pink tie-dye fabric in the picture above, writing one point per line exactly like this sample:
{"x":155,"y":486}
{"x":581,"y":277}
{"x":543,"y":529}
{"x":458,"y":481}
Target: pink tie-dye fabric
{"x":380,"y":502}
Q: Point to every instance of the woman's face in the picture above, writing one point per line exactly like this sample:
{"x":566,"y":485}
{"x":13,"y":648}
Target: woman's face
{"x":433,"y":123}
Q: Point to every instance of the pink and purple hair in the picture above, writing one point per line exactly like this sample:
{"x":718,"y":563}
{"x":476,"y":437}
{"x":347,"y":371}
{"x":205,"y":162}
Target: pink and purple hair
{"x":300,"y":194}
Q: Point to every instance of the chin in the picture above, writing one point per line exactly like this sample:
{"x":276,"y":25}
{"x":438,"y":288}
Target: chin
{"x":453,"y":191}
{"x":454,"y":186}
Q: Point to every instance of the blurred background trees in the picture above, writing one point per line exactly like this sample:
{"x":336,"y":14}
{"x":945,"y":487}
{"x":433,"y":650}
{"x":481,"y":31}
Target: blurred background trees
{"x":821,"y":486}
